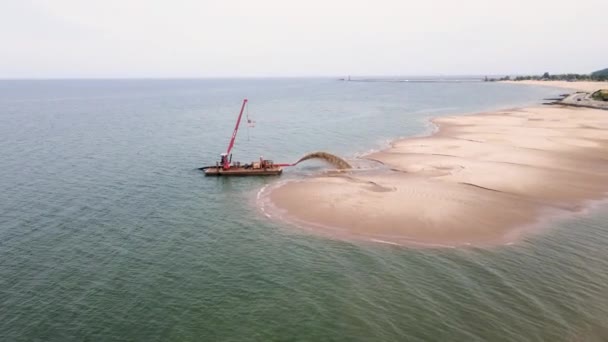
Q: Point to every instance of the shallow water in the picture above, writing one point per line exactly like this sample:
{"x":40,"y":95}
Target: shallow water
{"x":108,"y":231}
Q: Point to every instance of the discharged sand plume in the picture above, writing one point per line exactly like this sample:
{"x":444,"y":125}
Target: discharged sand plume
{"x":477,"y":180}
{"x":328,"y":157}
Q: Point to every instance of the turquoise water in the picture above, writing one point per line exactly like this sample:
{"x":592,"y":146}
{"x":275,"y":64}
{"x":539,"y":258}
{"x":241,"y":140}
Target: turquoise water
{"x":108,"y":231}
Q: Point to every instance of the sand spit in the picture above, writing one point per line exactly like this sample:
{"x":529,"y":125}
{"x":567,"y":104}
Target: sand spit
{"x":479,"y":179}
{"x":586,"y":86}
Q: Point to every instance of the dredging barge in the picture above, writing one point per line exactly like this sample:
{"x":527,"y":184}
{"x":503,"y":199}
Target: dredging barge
{"x":225,"y":167}
{"x":261,"y":168}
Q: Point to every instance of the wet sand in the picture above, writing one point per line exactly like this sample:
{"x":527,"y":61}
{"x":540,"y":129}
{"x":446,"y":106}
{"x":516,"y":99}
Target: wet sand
{"x":479,"y":179}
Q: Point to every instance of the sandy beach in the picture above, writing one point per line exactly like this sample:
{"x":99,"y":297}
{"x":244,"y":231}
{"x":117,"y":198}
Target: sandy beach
{"x":587,"y":86}
{"x":479,"y":179}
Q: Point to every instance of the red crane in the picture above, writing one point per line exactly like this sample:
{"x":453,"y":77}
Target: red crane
{"x":225,"y":167}
{"x":226,"y":157}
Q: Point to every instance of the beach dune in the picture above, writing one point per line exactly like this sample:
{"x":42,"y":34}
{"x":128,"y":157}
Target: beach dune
{"x":479,"y":179}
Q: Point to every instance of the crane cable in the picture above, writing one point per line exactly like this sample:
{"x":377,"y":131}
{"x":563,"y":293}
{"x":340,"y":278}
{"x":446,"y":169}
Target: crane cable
{"x":250,"y":123}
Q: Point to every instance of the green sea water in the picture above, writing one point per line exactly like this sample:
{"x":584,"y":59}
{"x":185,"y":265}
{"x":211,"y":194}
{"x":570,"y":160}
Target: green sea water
{"x":108,"y":232}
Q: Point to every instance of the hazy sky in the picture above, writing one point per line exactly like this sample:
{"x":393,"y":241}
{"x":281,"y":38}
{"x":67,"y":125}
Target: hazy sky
{"x":232,"y":38}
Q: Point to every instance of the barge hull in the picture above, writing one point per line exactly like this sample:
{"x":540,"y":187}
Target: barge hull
{"x":233,"y":171}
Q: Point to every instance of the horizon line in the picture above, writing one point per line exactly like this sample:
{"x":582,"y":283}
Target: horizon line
{"x":255,"y":77}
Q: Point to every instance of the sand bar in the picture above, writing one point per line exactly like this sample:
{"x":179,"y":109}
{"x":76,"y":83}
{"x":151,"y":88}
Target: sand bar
{"x":586,"y":86}
{"x":479,"y":179}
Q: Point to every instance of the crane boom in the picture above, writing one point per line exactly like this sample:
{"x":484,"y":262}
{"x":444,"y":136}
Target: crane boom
{"x":236,"y":129}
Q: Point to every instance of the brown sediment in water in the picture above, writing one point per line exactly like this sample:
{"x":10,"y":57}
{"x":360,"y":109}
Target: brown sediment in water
{"x":477,"y":180}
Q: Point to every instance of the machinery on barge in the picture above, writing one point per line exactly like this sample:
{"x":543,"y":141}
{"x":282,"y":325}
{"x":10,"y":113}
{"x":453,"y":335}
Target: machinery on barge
{"x":225,"y":166}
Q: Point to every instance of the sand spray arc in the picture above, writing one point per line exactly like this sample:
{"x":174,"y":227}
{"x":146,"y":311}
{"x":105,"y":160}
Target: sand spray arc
{"x":330,"y":158}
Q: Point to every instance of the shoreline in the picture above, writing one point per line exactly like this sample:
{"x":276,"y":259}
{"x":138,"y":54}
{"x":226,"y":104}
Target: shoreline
{"x":586,"y":86}
{"x":476,"y":179}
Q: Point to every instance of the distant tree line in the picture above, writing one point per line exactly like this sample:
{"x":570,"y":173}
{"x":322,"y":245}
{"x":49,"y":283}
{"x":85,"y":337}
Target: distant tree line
{"x":600,"y":75}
